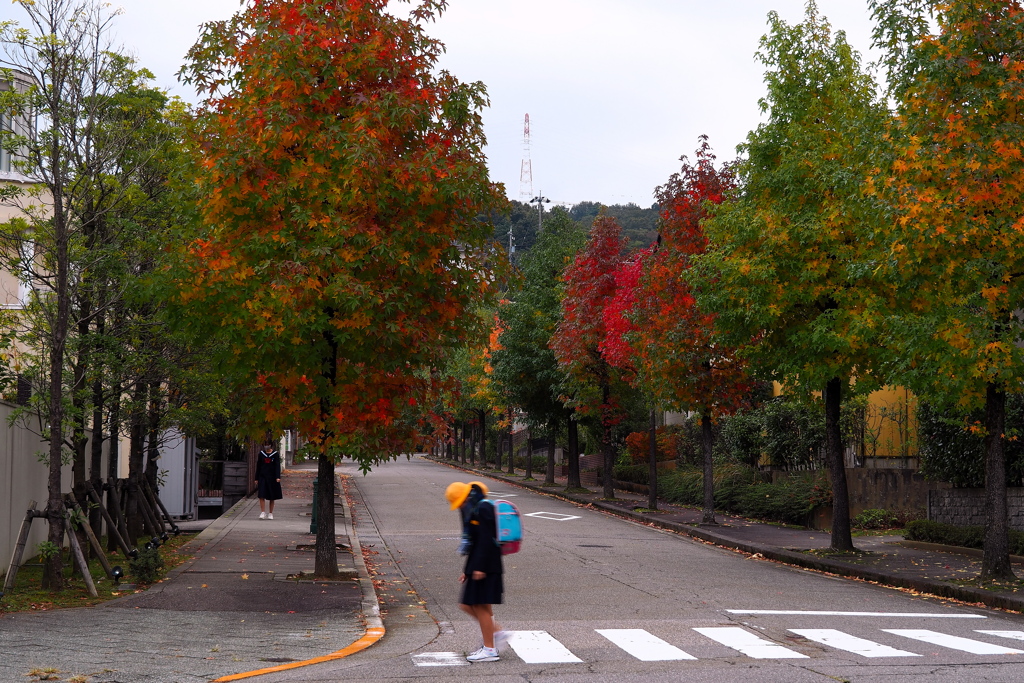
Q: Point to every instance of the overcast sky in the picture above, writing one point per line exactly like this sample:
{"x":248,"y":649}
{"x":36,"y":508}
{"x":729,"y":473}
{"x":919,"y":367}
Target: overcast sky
{"x":617,"y":90}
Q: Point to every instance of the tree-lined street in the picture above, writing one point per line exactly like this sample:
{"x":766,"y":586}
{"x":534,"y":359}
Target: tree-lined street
{"x":582,"y":572}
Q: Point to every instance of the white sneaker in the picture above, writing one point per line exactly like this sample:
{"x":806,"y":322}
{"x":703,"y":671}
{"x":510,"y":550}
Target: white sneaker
{"x":263,"y":515}
{"x":484,"y":654}
{"x":270,"y":515}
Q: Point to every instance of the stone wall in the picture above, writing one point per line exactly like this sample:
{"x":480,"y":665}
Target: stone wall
{"x":966,"y":507}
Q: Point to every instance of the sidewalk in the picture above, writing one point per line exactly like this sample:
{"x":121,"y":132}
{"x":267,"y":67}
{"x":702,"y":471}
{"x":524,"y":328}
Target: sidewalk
{"x":889,"y":560}
{"x":231,"y":609}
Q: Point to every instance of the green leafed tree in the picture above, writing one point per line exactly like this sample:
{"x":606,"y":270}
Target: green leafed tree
{"x":525,"y":369}
{"x":339,"y":253}
{"x":789,"y":259}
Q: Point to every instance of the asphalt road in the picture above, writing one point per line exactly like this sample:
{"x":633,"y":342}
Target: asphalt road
{"x":592,"y":597}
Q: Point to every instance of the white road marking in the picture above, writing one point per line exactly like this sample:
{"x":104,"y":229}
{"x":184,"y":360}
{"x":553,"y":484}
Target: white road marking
{"x":1016,"y":635}
{"x":844,"y":641}
{"x":495,"y":495}
{"x":749,"y":644}
{"x":643,"y":645}
{"x":440,"y":659}
{"x":923,"y":615}
{"x":538,"y":647}
{"x":556,"y":516}
{"x":976,"y":647}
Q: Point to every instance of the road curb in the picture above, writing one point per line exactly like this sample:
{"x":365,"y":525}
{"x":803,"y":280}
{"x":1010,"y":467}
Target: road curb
{"x":940,"y":589}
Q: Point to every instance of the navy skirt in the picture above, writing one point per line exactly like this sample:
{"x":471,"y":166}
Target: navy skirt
{"x":269,"y":489}
{"x":486,"y":591}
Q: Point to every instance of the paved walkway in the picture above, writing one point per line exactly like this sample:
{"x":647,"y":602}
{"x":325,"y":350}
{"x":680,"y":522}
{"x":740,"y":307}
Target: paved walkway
{"x":889,"y":560}
{"x":232,"y":609}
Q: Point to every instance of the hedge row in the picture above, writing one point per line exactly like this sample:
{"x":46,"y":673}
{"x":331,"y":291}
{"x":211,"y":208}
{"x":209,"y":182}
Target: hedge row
{"x":963,"y":536}
{"x":741,"y":490}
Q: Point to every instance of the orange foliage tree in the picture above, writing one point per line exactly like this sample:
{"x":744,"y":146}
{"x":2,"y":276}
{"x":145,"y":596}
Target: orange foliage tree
{"x":339,"y":253}
{"x":957,"y":180}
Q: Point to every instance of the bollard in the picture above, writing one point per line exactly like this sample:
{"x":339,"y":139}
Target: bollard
{"x":312,"y":519}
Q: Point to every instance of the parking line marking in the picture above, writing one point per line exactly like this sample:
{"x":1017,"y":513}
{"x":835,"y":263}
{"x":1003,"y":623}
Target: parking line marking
{"x":555,"y":516}
{"x":539,"y":647}
{"x":848,"y":643}
{"x":643,"y":645}
{"x":747,"y":643}
{"x":975,"y":647}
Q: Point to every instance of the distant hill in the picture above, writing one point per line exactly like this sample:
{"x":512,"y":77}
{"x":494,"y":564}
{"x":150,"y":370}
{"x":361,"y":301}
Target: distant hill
{"x":639,"y":225}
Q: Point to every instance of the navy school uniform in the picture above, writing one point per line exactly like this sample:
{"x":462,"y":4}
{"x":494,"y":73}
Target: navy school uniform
{"x":268,"y":471}
{"x":484,"y":556}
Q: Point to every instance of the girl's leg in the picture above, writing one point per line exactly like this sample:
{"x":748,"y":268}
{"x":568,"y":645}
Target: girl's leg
{"x":271,"y":510}
{"x":485,"y":617}
{"x":262,"y":505}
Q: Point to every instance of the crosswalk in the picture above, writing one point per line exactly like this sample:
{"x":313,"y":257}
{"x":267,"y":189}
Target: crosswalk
{"x":540,"y":647}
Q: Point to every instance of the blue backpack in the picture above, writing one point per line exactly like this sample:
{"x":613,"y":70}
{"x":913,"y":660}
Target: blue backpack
{"x":509,"y":526}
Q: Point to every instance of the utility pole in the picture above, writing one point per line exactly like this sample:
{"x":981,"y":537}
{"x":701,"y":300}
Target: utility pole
{"x":526,"y":170}
{"x":540,"y":200}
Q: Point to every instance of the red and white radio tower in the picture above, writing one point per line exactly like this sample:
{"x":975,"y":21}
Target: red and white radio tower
{"x":526,"y":172}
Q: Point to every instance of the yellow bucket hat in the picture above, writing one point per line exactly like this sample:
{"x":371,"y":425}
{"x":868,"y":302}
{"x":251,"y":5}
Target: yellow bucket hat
{"x":458,"y":491}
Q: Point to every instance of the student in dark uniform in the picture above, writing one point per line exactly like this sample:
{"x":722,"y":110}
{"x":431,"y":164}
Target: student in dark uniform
{"x":482,"y":584}
{"x":268,"y":479}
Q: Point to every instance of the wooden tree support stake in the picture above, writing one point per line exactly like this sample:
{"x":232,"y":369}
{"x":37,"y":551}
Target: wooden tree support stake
{"x":76,"y":550}
{"x":121,"y":524}
{"x":19,"y":548}
{"x":160,"y":504}
{"x":147,"y":493}
{"x":93,"y":541}
{"x":112,"y":529}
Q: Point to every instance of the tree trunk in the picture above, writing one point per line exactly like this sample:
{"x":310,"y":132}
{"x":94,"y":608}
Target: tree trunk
{"x":112,"y":460}
{"x":707,"y":438}
{"x":652,"y":465}
{"x":326,"y":562}
{"x":995,"y":563}
{"x":607,"y":455}
{"x":574,"y":454}
{"x":511,"y":453}
{"x":483,"y":438}
{"x":529,"y":455}
{"x":549,"y":470}
{"x":498,"y":442}
{"x":842,"y":539}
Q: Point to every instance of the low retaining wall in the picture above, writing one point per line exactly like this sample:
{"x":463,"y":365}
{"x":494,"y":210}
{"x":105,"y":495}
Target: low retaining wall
{"x":966,"y":507}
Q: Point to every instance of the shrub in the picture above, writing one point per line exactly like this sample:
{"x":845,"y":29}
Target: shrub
{"x":952,"y":444}
{"x":146,"y":567}
{"x":875,"y":518}
{"x":739,"y":489}
{"x":636,"y":474}
{"x":667,"y":443}
{"x":963,"y":536}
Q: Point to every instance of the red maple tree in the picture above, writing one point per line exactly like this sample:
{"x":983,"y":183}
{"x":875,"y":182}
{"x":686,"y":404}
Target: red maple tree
{"x":677,"y":351}
{"x":591,"y":380}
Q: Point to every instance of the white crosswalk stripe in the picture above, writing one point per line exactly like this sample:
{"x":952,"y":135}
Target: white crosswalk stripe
{"x":1015,"y":635}
{"x":747,"y":643}
{"x":975,"y":647}
{"x":540,"y":647}
{"x":848,"y":643}
{"x":643,"y":645}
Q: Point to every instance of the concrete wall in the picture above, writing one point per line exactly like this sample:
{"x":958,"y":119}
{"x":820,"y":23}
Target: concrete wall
{"x":966,"y":507}
{"x":22,"y":479}
{"x":890,"y":489}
